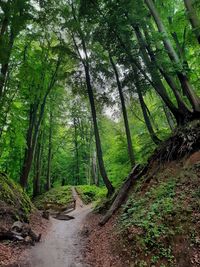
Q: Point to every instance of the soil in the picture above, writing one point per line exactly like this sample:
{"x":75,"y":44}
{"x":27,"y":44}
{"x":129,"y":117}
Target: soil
{"x":12,"y":253}
{"x":104,"y":247}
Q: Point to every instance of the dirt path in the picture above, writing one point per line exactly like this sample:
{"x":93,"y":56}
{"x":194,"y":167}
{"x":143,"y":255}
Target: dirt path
{"x":62,"y":246}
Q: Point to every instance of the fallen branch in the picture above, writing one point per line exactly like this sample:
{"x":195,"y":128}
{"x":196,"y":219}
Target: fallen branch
{"x":136,"y":173}
{"x":20,"y":232}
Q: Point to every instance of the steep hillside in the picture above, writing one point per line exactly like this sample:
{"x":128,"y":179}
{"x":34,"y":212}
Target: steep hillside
{"x":14,"y":202}
{"x":159,"y":224}
{"x":161,"y":219}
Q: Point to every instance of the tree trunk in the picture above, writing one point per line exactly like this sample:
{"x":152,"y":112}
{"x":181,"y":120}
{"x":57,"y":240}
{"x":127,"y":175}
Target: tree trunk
{"x":36,"y":180}
{"x":107,"y":182}
{"x":186,"y":86}
{"x":48,"y":178}
{"x":151,"y":63}
{"x":194,"y":20}
{"x":169,"y":117}
{"x":30,"y":147}
{"x":153,"y":136}
{"x":187,"y":113}
{"x":77,"y":176}
{"x":33,"y":130}
{"x":5,"y":65}
{"x":124,"y":112}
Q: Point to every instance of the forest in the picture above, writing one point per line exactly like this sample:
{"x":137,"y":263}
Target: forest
{"x":95,"y":94}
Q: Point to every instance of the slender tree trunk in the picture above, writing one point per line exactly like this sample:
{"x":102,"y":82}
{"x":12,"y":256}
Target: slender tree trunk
{"x":169,"y":117}
{"x":186,"y":86}
{"x":77,"y":176}
{"x":48,"y":178}
{"x":95,"y":169}
{"x":5,"y":65}
{"x":183,"y":109}
{"x":149,"y":59}
{"x":194,"y":20}
{"x":124,"y":112}
{"x":36,"y":180}
{"x":33,"y":131}
{"x":149,"y":126}
{"x":107,"y":182}
{"x":30,"y":147}
{"x":85,"y":62}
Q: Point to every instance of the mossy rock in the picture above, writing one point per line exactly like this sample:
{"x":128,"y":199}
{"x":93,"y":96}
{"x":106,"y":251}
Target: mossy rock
{"x":13,"y":200}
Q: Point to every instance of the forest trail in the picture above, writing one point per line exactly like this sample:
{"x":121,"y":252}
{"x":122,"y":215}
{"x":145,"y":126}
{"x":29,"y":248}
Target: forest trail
{"x":62,"y":245}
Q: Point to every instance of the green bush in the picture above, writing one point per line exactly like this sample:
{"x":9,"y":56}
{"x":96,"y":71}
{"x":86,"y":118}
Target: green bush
{"x":90,"y":193}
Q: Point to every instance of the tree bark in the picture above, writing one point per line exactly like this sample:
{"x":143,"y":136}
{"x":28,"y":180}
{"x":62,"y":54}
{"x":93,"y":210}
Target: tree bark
{"x":194,"y":20}
{"x":124,"y":112}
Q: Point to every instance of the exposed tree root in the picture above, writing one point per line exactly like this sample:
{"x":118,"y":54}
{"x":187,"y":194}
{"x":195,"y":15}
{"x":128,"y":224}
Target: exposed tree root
{"x":183,"y":142}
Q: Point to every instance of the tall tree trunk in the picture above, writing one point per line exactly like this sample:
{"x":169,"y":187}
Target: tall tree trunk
{"x":30,"y":146}
{"x":186,"y":112}
{"x":124,"y":112}
{"x":77,"y":176}
{"x":36,"y":180}
{"x":194,"y":20}
{"x":49,"y":159}
{"x":186,"y":86}
{"x":85,"y":63}
{"x":149,"y":126}
{"x":33,"y":130}
{"x":151,"y":63}
{"x":107,"y":182}
{"x":5,"y":65}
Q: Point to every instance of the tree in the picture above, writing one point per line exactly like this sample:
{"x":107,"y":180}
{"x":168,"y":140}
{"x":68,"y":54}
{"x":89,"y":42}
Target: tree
{"x":194,"y":20}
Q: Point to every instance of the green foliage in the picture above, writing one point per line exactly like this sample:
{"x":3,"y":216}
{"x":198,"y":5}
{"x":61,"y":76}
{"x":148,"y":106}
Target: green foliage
{"x":91,"y":193}
{"x":61,"y":195}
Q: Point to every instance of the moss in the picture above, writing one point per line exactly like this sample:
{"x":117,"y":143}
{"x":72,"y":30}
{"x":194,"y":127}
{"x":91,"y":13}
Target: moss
{"x":61,"y":195}
{"x":13,"y":199}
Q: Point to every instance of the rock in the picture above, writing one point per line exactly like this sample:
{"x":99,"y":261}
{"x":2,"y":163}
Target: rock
{"x":17,"y":226}
{"x":45,"y":214}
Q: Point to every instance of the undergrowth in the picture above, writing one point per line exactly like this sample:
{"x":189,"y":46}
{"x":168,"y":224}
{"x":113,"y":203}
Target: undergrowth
{"x":159,"y":212}
{"x":91,"y":193}
{"x":61,"y":195}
